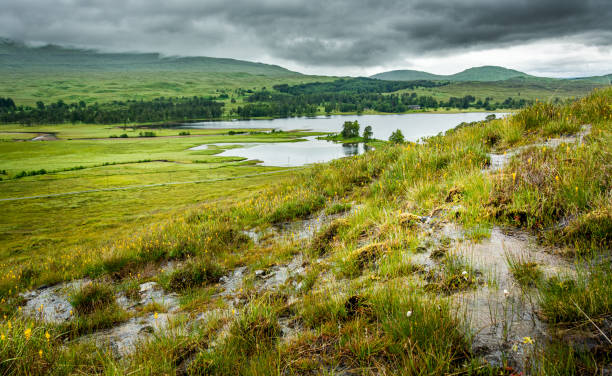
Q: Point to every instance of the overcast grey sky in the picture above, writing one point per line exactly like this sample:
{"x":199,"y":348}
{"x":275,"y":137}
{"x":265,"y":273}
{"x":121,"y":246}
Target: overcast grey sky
{"x":558,"y":38}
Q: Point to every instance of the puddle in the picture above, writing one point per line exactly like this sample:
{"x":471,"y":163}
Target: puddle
{"x":502,"y":313}
{"x":45,"y":137}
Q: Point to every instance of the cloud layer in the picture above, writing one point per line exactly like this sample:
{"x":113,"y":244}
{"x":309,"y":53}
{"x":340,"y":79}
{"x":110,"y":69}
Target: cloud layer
{"x":312,"y":34}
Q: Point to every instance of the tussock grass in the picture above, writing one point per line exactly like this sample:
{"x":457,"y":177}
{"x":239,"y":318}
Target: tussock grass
{"x":92,"y":297}
{"x":196,"y":273}
{"x":453,"y":274}
{"x":322,"y":241}
{"x":524,"y":270}
{"x":591,"y":291}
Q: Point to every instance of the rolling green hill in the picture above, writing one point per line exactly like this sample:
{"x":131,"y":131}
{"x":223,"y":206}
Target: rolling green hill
{"x":15,"y":56}
{"x":484,"y":74}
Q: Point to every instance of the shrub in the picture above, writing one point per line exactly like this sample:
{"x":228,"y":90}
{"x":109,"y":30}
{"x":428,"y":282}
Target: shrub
{"x":397,"y":137}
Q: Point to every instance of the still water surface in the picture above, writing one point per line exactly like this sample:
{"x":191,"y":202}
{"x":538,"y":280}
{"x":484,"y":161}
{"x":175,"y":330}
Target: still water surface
{"x":413,"y":126}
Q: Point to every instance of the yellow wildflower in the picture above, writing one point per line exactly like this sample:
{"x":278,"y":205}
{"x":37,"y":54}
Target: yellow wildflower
{"x":47,"y":336}
{"x":527,"y":340}
{"x":28,"y":333}
{"x":40,"y":353}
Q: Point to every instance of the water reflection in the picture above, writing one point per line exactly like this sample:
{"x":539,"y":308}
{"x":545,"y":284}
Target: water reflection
{"x":291,"y":153}
{"x":311,"y":150}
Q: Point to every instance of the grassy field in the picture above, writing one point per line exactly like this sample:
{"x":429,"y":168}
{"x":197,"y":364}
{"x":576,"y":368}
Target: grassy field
{"x":83,"y":160}
{"x":29,"y":87}
{"x":543,"y":90}
{"x":367,"y":293}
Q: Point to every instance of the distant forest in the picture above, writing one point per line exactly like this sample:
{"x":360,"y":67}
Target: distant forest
{"x":160,"y":109}
{"x":344,"y":95}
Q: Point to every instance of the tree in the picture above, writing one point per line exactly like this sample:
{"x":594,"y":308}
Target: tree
{"x":367,"y":133}
{"x":397,"y":137}
{"x":350,"y":129}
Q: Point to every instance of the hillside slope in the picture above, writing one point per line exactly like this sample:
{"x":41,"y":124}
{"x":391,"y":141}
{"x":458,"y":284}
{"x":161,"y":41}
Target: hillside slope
{"x":484,"y":74}
{"x":15,"y":56}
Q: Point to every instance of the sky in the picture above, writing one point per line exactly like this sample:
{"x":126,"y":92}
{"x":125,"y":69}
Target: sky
{"x":554,"y":38}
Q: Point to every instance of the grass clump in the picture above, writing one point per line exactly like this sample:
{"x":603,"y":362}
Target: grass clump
{"x":195,"y":274}
{"x":563,"y":298}
{"x":323,"y":240}
{"x":299,"y":208}
{"x":360,"y":258}
{"x":338,"y":208}
{"x":454,"y":274}
{"x":92,"y":297}
{"x":255,"y":328}
{"x":250,"y":343}
{"x":524,"y":270}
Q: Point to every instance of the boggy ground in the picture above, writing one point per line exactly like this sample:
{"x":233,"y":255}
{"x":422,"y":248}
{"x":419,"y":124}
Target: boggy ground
{"x":411,"y":259}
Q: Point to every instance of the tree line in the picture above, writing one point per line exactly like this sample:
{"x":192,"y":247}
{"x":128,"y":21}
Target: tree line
{"x":275,"y":104}
{"x":159,"y":109}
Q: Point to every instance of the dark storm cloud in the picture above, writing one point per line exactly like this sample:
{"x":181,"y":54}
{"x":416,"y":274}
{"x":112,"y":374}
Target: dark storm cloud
{"x":309,"y":32}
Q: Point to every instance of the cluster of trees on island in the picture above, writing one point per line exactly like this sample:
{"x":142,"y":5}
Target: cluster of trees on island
{"x":350,"y":131}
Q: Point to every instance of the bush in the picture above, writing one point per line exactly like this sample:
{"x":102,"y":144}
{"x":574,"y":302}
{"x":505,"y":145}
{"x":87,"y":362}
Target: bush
{"x":123,"y":135}
{"x":397,"y":137}
{"x":147,"y":134}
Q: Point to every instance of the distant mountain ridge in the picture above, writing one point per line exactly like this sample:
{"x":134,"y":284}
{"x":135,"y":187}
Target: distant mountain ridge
{"x":485,"y":73}
{"x":16,"y":56}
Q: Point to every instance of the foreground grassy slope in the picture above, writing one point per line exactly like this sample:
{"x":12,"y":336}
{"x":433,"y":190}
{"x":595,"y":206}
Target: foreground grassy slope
{"x":363,"y":306}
